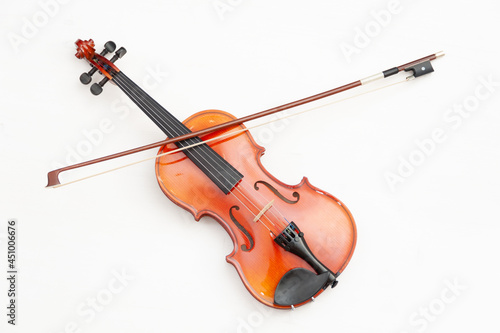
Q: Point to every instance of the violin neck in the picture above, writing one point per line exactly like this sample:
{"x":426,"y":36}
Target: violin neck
{"x":224,"y":175}
{"x":161,"y":117}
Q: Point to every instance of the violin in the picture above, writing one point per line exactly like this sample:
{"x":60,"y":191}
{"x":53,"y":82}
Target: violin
{"x":291,"y":242}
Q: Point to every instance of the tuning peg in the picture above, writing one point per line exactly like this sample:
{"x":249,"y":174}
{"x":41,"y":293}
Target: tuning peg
{"x":119,"y":54}
{"x":86,"y":78}
{"x":96,"y":88}
{"x":108,"y":48}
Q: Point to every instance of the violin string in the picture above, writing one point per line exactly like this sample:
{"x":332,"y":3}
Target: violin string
{"x":122,"y":83}
{"x":243,"y":182}
{"x":172,"y":127}
{"x":282,"y":225}
{"x":229,"y":134}
{"x":222,"y":136}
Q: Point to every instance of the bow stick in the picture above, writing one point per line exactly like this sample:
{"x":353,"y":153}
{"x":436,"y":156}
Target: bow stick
{"x":418,"y":68}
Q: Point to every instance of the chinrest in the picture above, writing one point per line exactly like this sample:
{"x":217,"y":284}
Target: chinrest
{"x":299,"y":285}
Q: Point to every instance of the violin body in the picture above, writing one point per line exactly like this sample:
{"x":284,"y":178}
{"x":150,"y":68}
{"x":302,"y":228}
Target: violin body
{"x":260,"y":262}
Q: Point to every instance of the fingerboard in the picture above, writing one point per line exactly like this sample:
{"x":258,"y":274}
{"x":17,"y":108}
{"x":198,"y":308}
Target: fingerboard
{"x":223,"y":174}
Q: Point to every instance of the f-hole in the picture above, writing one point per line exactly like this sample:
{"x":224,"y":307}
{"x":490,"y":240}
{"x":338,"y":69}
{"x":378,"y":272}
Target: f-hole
{"x":277,"y":193}
{"x":242,"y":229}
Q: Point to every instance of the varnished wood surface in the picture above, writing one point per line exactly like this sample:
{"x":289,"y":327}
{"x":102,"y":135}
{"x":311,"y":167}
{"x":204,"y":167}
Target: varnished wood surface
{"x":326,"y":222}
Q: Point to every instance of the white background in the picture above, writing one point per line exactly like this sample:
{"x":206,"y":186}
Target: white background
{"x":427,"y":252}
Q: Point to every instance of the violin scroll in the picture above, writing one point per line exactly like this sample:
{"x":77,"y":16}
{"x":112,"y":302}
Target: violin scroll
{"x":85,"y":48}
